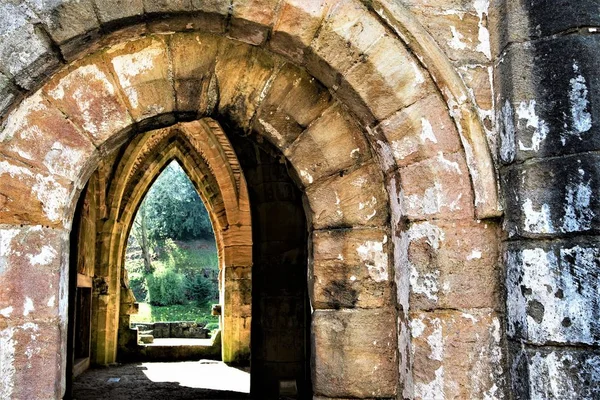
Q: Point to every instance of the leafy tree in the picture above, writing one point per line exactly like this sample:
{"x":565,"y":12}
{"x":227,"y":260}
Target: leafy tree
{"x":173,"y":209}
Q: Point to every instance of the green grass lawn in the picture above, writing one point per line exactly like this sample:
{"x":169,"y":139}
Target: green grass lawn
{"x":178,"y":312}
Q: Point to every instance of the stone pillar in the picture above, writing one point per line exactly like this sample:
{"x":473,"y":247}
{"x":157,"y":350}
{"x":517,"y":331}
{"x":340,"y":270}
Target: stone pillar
{"x":548,"y":110}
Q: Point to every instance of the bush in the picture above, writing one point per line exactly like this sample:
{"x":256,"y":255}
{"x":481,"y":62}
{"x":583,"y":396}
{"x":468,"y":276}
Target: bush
{"x":165,"y":287}
{"x":200,"y":289}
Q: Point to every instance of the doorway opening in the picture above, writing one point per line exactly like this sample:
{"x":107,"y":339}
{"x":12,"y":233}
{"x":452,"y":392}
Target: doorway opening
{"x":260,"y":230}
{"x":171,"y":264}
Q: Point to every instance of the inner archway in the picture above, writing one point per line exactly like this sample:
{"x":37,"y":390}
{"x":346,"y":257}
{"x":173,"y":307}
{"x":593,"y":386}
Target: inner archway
{"x":171,"y":262}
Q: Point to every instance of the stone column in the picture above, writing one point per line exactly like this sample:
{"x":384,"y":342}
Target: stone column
{"x":548,"y":109}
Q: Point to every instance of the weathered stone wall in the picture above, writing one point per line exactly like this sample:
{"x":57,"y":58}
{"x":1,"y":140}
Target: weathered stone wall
{"x":546,"y":57}
{"x":382,"y":110}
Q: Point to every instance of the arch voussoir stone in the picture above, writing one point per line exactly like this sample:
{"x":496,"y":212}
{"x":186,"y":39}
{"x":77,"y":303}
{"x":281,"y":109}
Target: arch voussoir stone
{"x":332,"y":143}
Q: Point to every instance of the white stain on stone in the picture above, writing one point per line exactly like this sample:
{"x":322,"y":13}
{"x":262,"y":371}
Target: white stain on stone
{"x":537,"y":221}
{"x":481,"y":7}
{"x":51,"y":301}
{"x":13,"y":170}
{"x":507,"y":134}
{"x":578,"y":100}
{"x":355,"y":152}
{"x":63,"y":160}
{"x":5,"y":312}
{"x":404,"y":147}
{"x":469,"y":317}
{"x":359,"y":182}
{"x":456,"y":42}
{"x":419,"y":77}
{"x":526,"y":112}
{"x":306,"y":175}
{"x":28,"y":306}
{"x":271,"y":130}
{"x":436,"y":341}
{"x":52,"y":195}
{"x":17,"y":122}
{"x":475,"y":255}
{"x":447,"y":164}
{"x":46,"y":255}
{"x":425,"y":284}
{"x":540,"y":272}
{"x":130,"y":66}
{"x":375,"y":259}
{"x":433,"y":200}
{"x":417,"y":327}
{"x":427,"y":132}
{"x":7,"y":363}
{"x":85,"y":100}
{"x":431,"y":390}
{"x":371,"y":203}
{"x":578,"y":214}
{"x":6,"y":237}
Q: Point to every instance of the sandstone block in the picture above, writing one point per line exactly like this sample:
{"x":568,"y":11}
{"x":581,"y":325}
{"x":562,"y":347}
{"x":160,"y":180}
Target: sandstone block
{"x":463,"y":34}
{"x":297,"y":25}
{"x":66,"y":20}
{"x":357,"y":198}
{"x":412,"y":137}
{"x":193,"y":56}
{"x":28,"y":196}
{"x":24,"y":52}
{"x":30,"y":135}
{"x":555,"y":372}
{"x":142,"y":70}
{"x":242,"y":72}
{"x":438,"y":187}
{"x":549,"y":110}
{"x":91,"y":99}
{"x":35,"y":278}
{"x":331,"y":144}
{"x":386,"y":79}
{"x":31,"y":360}
{"x":238,"y":256}
{"x":251,"y":20}
{"x":457,"y":353}
{"x":166,"y":6}
{"x":348,"y":31}
{"x":354,"y":353}
{"x":441,"y":259}
{"x":114,"y":10}
{"x":552,"y":291}
{"x":350,"y":269}
{"x":294,"y":100}
{"x":534,"y":211}
{"x":212,"y":6}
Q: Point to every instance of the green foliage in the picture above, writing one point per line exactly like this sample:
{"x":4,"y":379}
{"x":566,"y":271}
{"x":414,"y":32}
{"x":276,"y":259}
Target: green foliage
{"x":200,"y":289}
{"x":187,"y":259}
{"x":138,"y":285}
{"x":165,"y":287}
{"x":178,"y":312}
{"x":174,"y":208}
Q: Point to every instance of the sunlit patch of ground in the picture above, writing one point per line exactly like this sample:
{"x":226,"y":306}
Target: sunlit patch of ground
{"x":164,"y":381}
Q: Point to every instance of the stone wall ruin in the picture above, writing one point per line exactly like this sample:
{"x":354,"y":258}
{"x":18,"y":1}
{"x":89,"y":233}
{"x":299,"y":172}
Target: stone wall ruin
{"x":379,"y":127}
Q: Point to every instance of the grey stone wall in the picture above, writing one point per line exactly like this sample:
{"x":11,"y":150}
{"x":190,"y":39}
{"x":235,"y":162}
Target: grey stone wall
{"x":548,"y":106}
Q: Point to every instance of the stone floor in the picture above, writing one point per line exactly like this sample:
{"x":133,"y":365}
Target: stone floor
{"x":203,"y":379}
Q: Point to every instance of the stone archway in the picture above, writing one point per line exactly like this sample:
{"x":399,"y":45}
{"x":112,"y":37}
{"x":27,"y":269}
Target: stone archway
{"x":205,"y":154}
{"x":394,"y":167}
